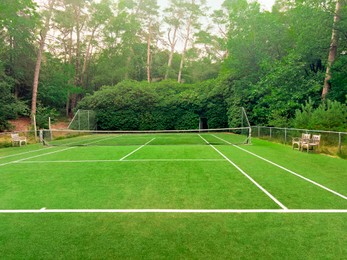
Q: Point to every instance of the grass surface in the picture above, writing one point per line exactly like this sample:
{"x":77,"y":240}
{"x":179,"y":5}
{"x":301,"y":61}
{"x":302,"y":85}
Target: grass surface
{"x":175,"y":176}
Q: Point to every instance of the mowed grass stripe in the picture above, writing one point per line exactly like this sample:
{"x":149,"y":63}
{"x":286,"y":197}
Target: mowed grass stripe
{"x":175,"y":152}
{"x":178,"y":236}
{"x":288,"y":170}
{"x":129,"y":185}
{"x":247,"y":176}
{"x":293,"y":191}
{"x":24,"y":157}
{"x":328,"y":171}
{"x":30,"y":148}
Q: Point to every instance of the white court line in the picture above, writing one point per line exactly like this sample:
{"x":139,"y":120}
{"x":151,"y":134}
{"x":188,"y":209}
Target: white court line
{"x":136,"y":150}
{"x":17,"y":161}
{"x":208,"y":211}
{"x":135,"y":160}
{"x":249,"y":177}
{"x":32,"y":157}
{"x":290,"y":171}
{"x":11,"y":155}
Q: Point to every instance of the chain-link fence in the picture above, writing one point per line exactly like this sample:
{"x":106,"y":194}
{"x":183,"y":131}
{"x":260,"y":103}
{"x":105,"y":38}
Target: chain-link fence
{"x":334,"y":143}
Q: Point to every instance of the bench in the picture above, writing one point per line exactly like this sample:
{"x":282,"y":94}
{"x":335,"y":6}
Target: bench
{"x":16,"y":139}
{"x":311,"y":143}
{"x":297,"y":141}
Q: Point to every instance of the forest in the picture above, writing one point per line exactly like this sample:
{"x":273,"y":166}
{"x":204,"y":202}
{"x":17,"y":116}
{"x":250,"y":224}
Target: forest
{"x":142,"y":66}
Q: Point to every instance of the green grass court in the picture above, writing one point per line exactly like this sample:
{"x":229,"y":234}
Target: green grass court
{"x":171,"y":196}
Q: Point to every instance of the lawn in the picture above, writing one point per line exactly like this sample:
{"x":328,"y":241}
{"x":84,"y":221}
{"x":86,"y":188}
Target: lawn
{"x":262,"y":200}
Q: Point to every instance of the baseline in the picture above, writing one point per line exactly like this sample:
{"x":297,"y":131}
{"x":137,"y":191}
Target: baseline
{"x":207,"y":211}
{"x":287,"y":170}
{"x":133,"y":160}
{"x":249,"y":177}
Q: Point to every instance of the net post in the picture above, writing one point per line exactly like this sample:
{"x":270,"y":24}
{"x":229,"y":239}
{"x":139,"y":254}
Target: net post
{"x":41,"y":136}
{"x":50,"y":128}
{"x":35,"y":127}
{"x":243,"y":112}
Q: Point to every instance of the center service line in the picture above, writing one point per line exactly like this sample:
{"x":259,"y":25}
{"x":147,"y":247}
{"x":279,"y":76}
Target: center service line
{"x":136,"y":150}
{"x":249,"y":177}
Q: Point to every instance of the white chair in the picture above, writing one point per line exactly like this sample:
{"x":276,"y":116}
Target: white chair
{"x":16,"y":139}
{"x":297,"y":141}
{"x":311,"y":143}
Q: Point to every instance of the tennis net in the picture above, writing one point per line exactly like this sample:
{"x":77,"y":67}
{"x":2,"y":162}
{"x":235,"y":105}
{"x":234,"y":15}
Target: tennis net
{"x":220,"y":136}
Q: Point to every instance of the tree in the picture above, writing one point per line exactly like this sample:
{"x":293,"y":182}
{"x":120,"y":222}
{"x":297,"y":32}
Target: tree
{"x":332,"y":49}
{"x":42,"y":40}
{"x":193,"y":12}
{"x":174,"y":15}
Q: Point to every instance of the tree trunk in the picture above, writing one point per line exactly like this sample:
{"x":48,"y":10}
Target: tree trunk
{"x":332,"y":50}
{"x":86,"y":58}
{"x":172,"y":51}
{"x":184,"y":49}
{"x":39,"y":58}
{"x":149,"y":54}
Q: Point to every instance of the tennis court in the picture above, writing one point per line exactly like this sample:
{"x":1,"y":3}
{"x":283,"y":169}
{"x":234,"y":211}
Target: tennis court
{"x":202,"y":187}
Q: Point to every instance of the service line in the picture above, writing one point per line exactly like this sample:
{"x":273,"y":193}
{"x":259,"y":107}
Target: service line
{"x":285,"y":169}
{"x":249,"y":177}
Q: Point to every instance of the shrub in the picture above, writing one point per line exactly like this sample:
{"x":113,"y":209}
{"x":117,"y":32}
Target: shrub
{"x":330,"y":116}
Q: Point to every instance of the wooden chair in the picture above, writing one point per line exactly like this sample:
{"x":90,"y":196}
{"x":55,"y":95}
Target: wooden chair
{"x":311,"y":143}
{"x":16,"y":139}
{"x":297,"y":141}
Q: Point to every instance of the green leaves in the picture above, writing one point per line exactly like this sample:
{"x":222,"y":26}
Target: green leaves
{"x":329,"y":115}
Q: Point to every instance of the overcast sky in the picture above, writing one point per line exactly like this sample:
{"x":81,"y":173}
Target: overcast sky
{"x":216,"y":4}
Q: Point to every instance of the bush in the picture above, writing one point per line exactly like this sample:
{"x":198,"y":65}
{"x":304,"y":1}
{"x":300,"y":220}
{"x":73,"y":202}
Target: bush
{"x":330,"y":116}
{"x":167,"y":105}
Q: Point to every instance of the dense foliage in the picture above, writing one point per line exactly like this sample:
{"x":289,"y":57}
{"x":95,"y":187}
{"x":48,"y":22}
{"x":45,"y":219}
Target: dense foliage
{"x":132,"y":105}
{"x":271,"y":63}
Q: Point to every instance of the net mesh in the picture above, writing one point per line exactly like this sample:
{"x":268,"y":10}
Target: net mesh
{"x":83,"y":120}
{"x":169,"y":137}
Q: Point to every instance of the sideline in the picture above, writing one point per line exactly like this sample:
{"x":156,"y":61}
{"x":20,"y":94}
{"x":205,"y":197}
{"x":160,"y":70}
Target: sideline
{"x":249,"y":177}
{"x":32,"y":157}
{"x":287,"y":170}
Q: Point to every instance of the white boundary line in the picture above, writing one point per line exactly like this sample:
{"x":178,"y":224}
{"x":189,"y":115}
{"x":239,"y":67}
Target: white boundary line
{"x":208,"y":211}
{"x":32,"y":151}
{"x":135,"y":160}
{"x":283,"y":168}
{"x":249,"y":177}
{"x":39,"y":155}
{"x":17,"y":161}
{"x":136,"y":150}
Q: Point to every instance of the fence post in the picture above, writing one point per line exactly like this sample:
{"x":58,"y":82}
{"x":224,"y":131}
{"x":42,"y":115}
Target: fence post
{"x":79,"y":120}
{"x":285,"y":135}
{"x":340,"y":143}
{"x":270,"y":132}
{"x":258,"y":131}
{"x":88,"y":121}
